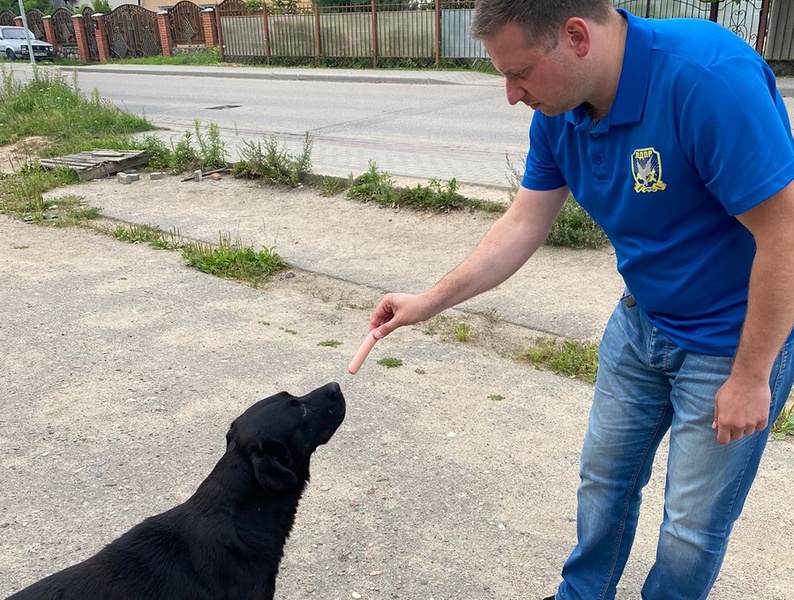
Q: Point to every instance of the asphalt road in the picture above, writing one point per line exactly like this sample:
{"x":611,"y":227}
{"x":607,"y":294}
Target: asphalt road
{"x":423,"y":130}
{"x":421,"y":124}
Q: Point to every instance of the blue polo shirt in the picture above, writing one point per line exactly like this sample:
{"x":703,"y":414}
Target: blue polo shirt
{"x":696,"y":135}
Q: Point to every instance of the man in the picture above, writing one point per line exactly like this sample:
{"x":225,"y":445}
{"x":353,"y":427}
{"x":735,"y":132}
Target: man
{"x":672,"y":135}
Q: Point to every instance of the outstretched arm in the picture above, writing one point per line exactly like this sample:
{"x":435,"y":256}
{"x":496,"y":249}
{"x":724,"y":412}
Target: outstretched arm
{"x":506,"y":246}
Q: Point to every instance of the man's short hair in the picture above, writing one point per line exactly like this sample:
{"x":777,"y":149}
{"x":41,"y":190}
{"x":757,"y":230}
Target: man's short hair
{"x":540,"y":19}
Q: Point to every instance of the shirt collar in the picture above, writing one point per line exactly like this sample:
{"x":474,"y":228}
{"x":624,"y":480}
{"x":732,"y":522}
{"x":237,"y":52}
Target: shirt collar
{"x":633,"y":86}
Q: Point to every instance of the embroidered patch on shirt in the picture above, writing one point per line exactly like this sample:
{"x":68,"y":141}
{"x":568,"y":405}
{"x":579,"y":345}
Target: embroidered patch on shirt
{"x":646,"y":167}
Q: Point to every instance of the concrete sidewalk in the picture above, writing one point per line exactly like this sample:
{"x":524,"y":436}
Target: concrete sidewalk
{"x":453,"y":477}
{"x":429,"y":77}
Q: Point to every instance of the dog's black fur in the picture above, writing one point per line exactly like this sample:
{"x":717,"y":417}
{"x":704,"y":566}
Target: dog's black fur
{"x":225,"y":541}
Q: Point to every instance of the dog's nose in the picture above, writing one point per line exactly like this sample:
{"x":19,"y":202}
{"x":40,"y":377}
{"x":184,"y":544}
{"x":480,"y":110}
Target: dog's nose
{"x":334,"y":387}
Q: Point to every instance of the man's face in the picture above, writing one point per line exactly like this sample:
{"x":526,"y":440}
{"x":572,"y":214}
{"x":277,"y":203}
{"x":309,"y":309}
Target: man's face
{"x":543,"y":80}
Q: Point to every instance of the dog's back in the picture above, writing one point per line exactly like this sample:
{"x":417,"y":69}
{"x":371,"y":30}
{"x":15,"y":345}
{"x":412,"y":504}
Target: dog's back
{"x":226,"y":541}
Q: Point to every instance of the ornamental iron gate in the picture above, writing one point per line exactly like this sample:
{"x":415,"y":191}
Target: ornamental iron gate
{"x":64,"y":28}
{"x":186,"y":26}
{"x":132,"y":32}
{"x":746,"y":18}
{"x":35,"y":20}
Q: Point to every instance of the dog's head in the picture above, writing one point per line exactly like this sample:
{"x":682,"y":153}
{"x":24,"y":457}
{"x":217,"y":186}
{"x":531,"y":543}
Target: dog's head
{"x":280,"y":433}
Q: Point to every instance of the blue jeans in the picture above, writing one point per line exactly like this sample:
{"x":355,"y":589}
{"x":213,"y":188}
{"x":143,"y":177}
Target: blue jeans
{"x":647,"y":385}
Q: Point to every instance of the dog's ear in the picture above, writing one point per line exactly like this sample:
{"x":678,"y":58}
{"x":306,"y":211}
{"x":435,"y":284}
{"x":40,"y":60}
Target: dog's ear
{"x":271,"y":464}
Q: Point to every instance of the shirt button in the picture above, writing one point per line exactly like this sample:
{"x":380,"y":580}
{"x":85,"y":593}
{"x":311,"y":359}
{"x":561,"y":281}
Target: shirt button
{"x":596,"y":134}
{"x":598,"y":160}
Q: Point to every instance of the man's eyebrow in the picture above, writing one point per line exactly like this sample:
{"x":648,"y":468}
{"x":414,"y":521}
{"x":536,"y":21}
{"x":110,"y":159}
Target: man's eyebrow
{"x":515,"y":71}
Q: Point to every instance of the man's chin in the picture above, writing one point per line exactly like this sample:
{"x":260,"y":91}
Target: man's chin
{"x":549,"y":111}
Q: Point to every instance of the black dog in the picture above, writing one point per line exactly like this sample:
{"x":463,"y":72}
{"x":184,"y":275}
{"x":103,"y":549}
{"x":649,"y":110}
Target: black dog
{"x":225,"y":541}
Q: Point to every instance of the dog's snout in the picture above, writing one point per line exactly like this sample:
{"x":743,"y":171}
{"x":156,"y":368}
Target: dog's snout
{"x":332,"y":388}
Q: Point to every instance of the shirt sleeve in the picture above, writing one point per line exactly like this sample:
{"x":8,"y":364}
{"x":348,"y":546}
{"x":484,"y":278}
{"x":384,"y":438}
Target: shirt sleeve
{"x":541,"y":171}
{"x":735,"y":130}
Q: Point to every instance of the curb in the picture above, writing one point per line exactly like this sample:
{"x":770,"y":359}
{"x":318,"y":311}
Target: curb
{"x":784,"y":84}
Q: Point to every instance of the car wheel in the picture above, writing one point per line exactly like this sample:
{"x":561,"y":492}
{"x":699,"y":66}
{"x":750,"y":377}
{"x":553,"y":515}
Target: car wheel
{"x":10,"y":54}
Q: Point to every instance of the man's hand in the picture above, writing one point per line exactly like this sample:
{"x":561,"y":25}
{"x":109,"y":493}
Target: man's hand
{"x":741,"y":408}
{"x":396,"y":310}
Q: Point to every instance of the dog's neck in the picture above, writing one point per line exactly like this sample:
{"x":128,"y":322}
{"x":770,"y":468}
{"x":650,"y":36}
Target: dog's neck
{"x":268,"y":514}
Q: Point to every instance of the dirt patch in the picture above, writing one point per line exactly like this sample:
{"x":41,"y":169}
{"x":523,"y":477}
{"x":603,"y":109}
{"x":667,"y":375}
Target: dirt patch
{"x":14,"y":156}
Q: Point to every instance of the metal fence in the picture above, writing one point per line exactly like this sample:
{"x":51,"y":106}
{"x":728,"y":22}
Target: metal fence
{"x":746,"y":18}
{"x":434,"y":30}
{"x":780,"y":41}
{"x":365,"y":32}
{"x":132,"y":31}
{"x":416,"y":32}
{"x":184,"y":20}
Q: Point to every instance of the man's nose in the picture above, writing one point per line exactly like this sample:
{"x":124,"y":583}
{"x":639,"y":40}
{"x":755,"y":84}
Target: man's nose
{"x":515,"y":93}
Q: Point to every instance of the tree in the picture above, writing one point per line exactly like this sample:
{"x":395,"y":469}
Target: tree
{"x":102,"y":6}
{"x":44,"y":6}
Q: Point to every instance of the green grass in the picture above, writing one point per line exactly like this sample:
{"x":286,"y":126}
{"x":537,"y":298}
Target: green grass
{"x":48,"y":106}
{"x":575,"y":229}
{"x":378,"y":186}
{"x":209,"y":56}
{"x":462,"y":331}
{"x":232,"y":260}
{"x":570,"y":358}
{"x":390,"y":363}
{"x":331,"y":186}
{"x":374,"y":185}
{"x":147,"y":234}
{"x":22,"y":196}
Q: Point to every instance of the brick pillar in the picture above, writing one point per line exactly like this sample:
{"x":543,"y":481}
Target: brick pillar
{"x":79,"y":36}
{"x":102,"y":46}
{"x":208,"y":23}
{"x":49,"y":33}
{"x":164,"y":26}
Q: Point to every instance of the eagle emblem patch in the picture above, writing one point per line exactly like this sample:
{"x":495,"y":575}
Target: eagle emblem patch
{"x":646,"y":167}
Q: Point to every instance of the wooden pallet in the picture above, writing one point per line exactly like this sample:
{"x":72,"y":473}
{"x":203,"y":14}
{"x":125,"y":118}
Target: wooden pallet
{"x":98,"y":163}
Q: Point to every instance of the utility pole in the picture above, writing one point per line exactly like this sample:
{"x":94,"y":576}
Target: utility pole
{"x":27,"y":35}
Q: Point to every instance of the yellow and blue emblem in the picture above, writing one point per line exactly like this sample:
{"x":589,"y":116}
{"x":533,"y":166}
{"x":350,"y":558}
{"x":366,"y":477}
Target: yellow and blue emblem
{"x":646,"y":167}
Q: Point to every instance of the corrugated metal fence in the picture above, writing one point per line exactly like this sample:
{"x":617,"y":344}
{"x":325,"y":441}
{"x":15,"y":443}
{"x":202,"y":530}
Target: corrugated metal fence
{"x":371,"y":31}
{"x":434,"y":31}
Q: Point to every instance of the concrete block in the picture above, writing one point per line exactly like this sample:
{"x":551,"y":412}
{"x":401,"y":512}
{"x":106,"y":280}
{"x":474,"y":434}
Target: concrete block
{"x":127,"y":177}
{"x":157,"y":175}
{"x":197,"y":175}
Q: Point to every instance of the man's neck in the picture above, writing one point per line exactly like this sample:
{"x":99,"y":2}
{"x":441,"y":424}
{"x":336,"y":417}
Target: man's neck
{"x":615,"y":32}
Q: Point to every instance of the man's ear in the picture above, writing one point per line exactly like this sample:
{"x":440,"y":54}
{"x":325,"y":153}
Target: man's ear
{"x":576,"y":35}
{"x":271,"y":466}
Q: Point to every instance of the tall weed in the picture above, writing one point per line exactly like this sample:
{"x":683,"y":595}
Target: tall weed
{"x":275,"y":163}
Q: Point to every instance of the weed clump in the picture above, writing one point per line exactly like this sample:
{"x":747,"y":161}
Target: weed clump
{"x":275,"y":163}
{"x":571,"y":358}
{"x":378,"y":186}
{"x":232,"y":260}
